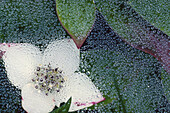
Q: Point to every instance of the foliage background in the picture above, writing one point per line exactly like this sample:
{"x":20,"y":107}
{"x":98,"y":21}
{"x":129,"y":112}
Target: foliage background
{"x":135,"y":81}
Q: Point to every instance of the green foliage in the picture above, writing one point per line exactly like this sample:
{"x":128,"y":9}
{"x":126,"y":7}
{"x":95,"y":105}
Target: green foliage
{"x":77,"y":17}
{"x":30,"y":21}
{"x":64,"y":108}
{"x":124,"y":20}
{"x":131,"y":81}
{"x":155,"y":12}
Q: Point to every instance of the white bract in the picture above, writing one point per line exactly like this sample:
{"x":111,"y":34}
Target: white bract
{"x":48,"y":78}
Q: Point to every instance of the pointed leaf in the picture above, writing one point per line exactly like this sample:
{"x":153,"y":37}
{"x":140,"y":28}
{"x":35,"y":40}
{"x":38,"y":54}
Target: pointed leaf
{"x":135,"y":30}
{"x":133,"y":79}
{"x":77,"y":17}
{"x":107,"y":100}
{"x":64,"y":108}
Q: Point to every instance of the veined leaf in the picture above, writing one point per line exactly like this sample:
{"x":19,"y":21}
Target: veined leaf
{"x":155,"y":12}
{"x":135,"y":30}
{"x":77,"y":17}
{"x":133,"y":79}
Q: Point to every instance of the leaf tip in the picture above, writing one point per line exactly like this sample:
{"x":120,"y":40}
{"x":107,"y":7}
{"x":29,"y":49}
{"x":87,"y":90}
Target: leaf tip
{"x":79,"y":42}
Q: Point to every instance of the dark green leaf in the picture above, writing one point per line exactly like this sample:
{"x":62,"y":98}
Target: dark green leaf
{"x":134,"y":29}
{"x":29,"y":22}
{"x":166,"y":83}
{"x":154,"y":11}
{"x":64,"y":108}
{"x":132,"y":78}
{"x":131,"y":81}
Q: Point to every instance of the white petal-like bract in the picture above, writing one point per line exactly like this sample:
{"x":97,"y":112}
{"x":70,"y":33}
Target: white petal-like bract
{"x":35,"y":101}
{"x":20,"y":62}
{"x":81,"y":89}
{"x":63,"y":54}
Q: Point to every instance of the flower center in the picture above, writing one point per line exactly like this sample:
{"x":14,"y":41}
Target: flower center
{"x":48,"y":80}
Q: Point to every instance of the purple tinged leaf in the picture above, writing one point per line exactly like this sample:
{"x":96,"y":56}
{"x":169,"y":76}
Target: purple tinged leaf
{"x":135,"y":30}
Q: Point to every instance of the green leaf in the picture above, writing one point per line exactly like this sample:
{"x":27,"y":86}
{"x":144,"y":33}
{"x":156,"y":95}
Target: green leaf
{"x":77,"y":17}
{"x":166,"y":83}
{"x":107,"y":100}
{"x":129,"y":77}
{"x":64,"y":108}
{"x":154,"y":11}
{"x":134,"y":29}
{"x":29,"y":22}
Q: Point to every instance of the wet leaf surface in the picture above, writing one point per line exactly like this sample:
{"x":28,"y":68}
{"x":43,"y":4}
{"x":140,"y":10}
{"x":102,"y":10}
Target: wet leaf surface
{"x":134,"y":80}
{"x":155,"y":12}
{"x":77,"y":17}
{"x":134,"y":77}
{"x":135,"y":30}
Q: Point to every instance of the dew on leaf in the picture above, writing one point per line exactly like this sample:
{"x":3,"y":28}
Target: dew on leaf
{"x":134,"y":80}
{"x":129,"y":76}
